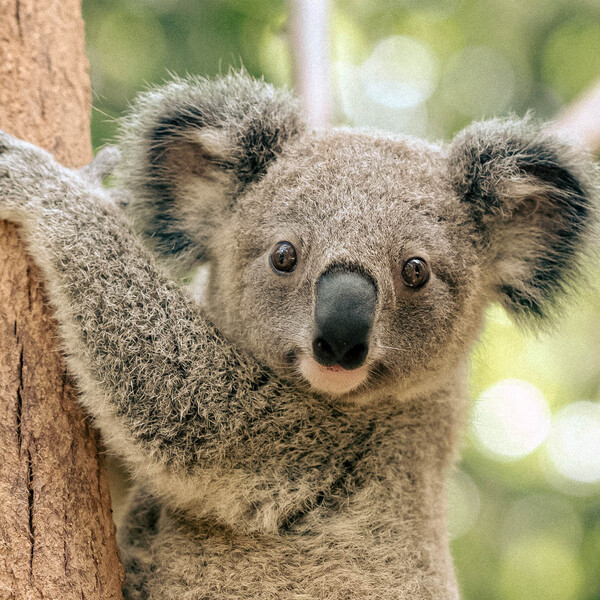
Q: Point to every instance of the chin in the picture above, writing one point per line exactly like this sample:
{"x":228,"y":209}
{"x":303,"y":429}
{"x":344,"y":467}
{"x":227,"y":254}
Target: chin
{"x":334,"y":381}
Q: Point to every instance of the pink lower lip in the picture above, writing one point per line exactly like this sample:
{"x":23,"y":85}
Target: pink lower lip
{"x":335,"y":368}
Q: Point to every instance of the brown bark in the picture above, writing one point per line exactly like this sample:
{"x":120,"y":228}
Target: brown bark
{"x":56,"y":531}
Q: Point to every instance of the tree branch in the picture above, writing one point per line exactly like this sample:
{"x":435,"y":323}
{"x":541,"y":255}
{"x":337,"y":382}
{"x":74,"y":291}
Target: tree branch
{"x":582,"y":118}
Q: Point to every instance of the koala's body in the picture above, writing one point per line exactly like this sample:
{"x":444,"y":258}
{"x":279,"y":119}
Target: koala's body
{"x":290,"y":439}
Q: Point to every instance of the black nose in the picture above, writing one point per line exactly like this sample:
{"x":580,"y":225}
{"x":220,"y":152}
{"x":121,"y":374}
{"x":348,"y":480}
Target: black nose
{"x":344,"y":311}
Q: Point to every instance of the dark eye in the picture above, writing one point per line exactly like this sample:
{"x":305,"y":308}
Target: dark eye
{"x":283,"y":257}
{"x":415,"y":272}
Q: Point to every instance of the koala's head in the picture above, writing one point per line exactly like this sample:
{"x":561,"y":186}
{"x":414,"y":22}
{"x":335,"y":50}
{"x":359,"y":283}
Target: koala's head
{"x":353,"y":262}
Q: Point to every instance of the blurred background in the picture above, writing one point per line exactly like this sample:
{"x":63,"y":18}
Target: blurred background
{"x":525,"y":500}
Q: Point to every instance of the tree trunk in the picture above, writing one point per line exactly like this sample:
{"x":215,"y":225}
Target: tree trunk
{"x":56,"y":532}
{"x":310,"y":44}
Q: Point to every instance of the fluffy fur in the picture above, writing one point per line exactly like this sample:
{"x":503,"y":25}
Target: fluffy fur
{"x":249,"y":483}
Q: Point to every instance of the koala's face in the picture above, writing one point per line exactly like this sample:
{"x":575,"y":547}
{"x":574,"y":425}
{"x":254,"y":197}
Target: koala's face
{"x":349,"y":265}
{"x":353,"y":263}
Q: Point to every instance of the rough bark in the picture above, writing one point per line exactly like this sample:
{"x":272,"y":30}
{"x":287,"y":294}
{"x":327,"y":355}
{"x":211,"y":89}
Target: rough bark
{"x":56,"y":531}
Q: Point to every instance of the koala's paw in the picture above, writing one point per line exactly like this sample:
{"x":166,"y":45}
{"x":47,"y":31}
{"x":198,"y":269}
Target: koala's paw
{"x":103,"y":165}
{"x":29,"y":179}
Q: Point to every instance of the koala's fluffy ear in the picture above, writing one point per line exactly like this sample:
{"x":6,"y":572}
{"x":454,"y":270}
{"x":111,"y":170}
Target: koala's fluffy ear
{"x":531,"y":197}
{"x":190,"y":147}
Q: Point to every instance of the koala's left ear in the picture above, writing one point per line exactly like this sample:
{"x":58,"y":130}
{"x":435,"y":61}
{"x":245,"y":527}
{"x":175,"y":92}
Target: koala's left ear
{"x":531,"y":198}
{"x":190,"y":148}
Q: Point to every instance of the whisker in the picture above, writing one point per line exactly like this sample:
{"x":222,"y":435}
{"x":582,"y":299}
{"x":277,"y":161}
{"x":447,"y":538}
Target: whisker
{"x":387,"y":347}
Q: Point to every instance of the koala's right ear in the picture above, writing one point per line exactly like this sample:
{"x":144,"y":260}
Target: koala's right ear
{"x":189,"y":148}
{"x":532,"y":199}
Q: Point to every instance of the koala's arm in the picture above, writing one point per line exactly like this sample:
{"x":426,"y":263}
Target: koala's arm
{"x":168,"y":391}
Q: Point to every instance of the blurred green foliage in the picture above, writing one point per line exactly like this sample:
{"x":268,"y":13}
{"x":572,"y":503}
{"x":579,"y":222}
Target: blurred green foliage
{"x":523,"y":532}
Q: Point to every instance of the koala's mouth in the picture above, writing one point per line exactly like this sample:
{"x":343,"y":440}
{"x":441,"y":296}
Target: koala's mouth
{"x":344,"y":311}
{"x":333,"y":380}
{"x":335,"y":369}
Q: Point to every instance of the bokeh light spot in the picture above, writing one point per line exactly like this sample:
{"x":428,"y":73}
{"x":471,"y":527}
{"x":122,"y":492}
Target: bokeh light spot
{"x":574,"y":442}
{"x":400,"y":73}
{"x":363,"y":111}
{"x":511,"y":419}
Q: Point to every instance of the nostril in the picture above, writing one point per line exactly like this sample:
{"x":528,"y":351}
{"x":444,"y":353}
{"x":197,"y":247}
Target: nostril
{"x":326,"y":355}
{"x":323,"y":352}
{"x":355,"y":357}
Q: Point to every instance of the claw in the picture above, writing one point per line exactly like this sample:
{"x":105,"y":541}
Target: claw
{"x":5,"y":140}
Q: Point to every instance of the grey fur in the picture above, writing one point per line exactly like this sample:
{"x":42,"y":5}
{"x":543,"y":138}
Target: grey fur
{"x":103,"y":165}
{"x":251,"y":484}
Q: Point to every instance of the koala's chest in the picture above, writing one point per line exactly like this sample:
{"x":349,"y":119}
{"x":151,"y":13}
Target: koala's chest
{"x":166,"y":557}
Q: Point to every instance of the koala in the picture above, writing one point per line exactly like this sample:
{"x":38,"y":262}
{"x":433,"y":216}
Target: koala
{"x":289,"y":438}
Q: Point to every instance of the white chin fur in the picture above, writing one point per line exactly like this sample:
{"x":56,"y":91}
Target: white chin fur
{"x":326,"y":380}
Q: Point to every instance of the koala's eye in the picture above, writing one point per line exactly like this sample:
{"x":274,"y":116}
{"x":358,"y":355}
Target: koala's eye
{"x":283,"y":257}
{"x":415,"y":273}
